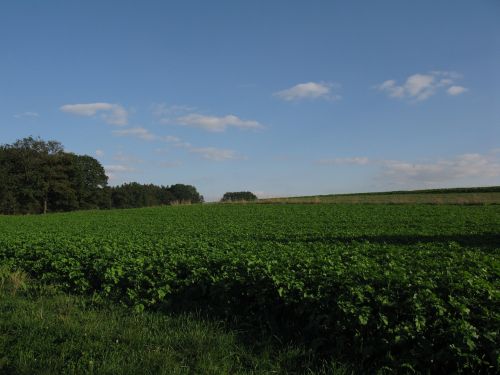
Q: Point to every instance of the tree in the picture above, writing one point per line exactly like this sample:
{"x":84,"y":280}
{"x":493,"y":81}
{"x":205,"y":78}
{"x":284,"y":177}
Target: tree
{"x":8,"y":201}
{"x":22,"y":164}
{"x":37,"y":176}
{"x":35,"y":166}
{"x":37,"y":146}
{"x":186,"y":193}
{"x":89,"y":181}
{"x":238,"y":196}
{"x":137,"y":195}
{"x":60,"y":194}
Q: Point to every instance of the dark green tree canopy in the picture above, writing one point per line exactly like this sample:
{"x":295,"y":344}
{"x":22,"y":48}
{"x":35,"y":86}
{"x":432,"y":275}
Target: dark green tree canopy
{"x":186,"y":193}
{"x":238,"y":196}
{"x":37,"y":145}
{"x":131,"y":195}
{"x":38,"y":176}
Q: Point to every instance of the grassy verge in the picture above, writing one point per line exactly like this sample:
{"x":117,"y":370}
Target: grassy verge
{"x":396,"y":198}
{"x":44,"y":331}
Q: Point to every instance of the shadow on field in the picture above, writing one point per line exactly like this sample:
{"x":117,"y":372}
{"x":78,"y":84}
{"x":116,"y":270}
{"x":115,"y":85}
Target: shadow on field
{"x":485,"y":240}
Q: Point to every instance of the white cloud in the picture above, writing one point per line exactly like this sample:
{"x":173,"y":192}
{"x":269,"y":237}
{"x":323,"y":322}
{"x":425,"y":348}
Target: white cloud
{"x":138,"y":132}
{"x":343,"y":161}
{"x":99,"y":153}
{"x":420,"y":87}
{"x":392,"y":89}
{"x":171,"y":139}
{"x":456,"y":90}
{"x":183,"y":115}
{"x":126,"y":158}
{"x":164,"y":113}
{"x":215,"y":154}
{"x":115,"y":172}
{"x":161,"y":150}
{"x":27,"y":114}
{"x":444,"y":170}
{"x":209,"y":153}
{"x":308,"y":90}
{"x":86,"y":109}
{"x":169,"y":164}
{"x":145,"y":135}
{"x":113,"y":114}
{"x":471,"y":166}
{"x":217,"y":124}
{"x":118,"y":168}
{"x":182,"y":144}
{"x":117,"y":116}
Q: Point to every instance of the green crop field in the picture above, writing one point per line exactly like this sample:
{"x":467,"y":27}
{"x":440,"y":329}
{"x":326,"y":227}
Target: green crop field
{"x":390,"y":288}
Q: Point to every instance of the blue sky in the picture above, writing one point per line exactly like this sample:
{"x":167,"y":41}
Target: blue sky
{"x":276,"y":97}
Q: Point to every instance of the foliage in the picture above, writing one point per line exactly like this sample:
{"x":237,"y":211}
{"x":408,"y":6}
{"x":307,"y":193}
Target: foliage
{"x":44,"y":331}
{"x":389,"y":288}
{"x":134,"y":195}
{"x":38,"y":176}
{"x":186,"y":193}
{"x":238,"y":196}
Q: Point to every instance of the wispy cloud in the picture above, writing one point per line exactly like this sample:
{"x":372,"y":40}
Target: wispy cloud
{"x":114,"y":168}
{"x":137,"y":132}
{"x":470,"y":165}
{"x":116,"y":172}
{"x":419,"y":87}
{"x":456,"y":90}
{"x":172,"y":139}
{"x":99,"y":153}
{"x":145,"y":135}
{"x":217,"y":124}
{"x":184,"y":115}
{"x":215,"y":154}
{"x":461,"y":166}
{"x":208,"y":153}
{"x":27,"y":114}
{"x":113,"y":114}
{"x":344,"y":161}
{"x":126,"y":158}
{"x":165,"y":114}
{"x":169,"y":164}
{"x":308,"y":90}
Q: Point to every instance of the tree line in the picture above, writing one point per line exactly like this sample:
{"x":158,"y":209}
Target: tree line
{"x":134,"y":195}
{"x":238,"y":196}
{"x":38,"y":176}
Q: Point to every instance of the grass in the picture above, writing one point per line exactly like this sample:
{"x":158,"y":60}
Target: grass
{"x":45,"y":331}
{"x":464,"y":196}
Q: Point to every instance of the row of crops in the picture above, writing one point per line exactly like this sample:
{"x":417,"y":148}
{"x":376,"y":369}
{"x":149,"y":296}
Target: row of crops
{"x":399,"y":288}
